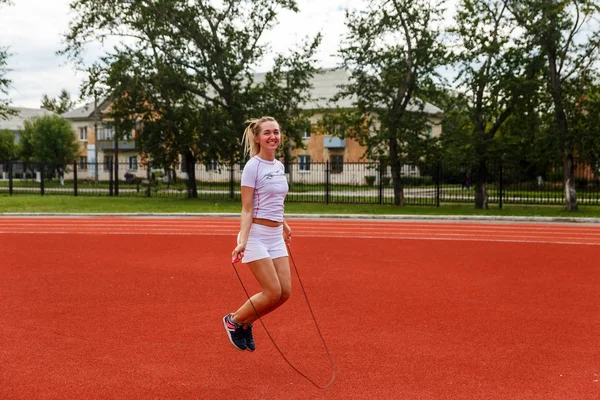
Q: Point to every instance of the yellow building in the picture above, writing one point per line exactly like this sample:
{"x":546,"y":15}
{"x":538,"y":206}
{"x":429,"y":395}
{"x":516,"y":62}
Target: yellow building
{"x":97,"y":141}
{"x":322,"y":147}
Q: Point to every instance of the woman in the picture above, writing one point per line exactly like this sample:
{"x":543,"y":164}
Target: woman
{"x":263,"y":230}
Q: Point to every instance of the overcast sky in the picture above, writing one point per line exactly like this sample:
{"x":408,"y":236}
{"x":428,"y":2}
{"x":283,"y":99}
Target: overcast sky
{"x":33,"y":29}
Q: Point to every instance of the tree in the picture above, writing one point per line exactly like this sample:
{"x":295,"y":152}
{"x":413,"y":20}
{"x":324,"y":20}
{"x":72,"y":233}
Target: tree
{"x":393,"y":50}
{"x":4,"y":82}
{"x":8,"y":148}
{"x":190,"y":56}
{"x":456,"y":140}
{"x":59,"y":105}
{"x":284,"y":90}
{"x":495,"y":73}
{"x":49,"y":139}
{"x":566,"y":34}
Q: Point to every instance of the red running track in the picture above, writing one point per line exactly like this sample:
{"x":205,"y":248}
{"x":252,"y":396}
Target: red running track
{"x":131,"y":308}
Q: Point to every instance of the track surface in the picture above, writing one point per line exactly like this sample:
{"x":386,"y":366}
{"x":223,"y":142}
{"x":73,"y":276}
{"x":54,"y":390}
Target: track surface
{"x":131,"y":308}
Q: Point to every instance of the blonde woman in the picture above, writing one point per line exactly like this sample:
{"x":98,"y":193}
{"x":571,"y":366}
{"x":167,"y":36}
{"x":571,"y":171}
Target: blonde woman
{"x":263,"y":230}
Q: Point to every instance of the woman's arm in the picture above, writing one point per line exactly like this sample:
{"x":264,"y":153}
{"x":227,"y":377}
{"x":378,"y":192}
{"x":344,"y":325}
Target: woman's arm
{"x":245,"y":222}
{"x":287,"y":231}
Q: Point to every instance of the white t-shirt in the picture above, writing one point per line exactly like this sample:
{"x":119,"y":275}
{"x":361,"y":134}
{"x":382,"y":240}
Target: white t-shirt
{"x":270,"y":187}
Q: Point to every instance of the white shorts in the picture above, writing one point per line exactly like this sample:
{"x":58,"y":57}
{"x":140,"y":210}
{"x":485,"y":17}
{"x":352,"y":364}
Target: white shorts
{"x":264,"y":242}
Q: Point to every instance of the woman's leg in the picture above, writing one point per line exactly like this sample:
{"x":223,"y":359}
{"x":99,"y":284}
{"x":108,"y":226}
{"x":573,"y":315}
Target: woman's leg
{"x":265,"y":274}
{"x":275,"y":281}
{"x":282,"y":267}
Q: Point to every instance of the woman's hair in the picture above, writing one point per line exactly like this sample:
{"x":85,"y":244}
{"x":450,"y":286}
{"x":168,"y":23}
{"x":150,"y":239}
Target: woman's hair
{"x":251,"y":148}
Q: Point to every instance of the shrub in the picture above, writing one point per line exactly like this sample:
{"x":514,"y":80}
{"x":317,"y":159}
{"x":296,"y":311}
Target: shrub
{"x":370,"y":179}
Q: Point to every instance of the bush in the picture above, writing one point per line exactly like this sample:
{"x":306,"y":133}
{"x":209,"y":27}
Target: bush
{"x":370,"y":179}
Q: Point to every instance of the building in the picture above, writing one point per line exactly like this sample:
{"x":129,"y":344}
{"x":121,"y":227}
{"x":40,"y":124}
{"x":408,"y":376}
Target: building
{"x":320,"y":147}
{"x":16,"y":123}
{"x":324,"y":146}
{"x":97,"y":145}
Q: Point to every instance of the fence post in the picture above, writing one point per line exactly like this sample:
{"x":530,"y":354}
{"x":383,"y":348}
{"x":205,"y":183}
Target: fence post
{"x":110,"y":179}
{"x":75,"y":178}
{"x":381,"y":166}
{"x":148,"y":176}
{"x":10,"y":178}
{"x":438,"y":182}
{"x":116,"y":171}
{"x":42,"y":168}
{"x":288,"y":169}
{"x":501,"y":184}
{"x":231,"y":180}
{"x":327,"y":182}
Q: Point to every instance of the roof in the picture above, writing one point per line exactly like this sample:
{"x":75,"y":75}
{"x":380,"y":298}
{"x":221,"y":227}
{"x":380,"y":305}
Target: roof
{"x":16,"y":122}
{"x":325,"y":85}
{"x":84,"y":112}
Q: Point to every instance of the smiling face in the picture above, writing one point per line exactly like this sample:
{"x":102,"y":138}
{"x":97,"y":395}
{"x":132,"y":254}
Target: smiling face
{"x":268,"y":138}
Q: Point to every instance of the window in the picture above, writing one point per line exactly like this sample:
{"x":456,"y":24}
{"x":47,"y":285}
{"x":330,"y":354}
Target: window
{"x":212,"y":165}
{"x":83,"y":134}
{"x":337,"y":164}
{"x":306,"y":134}
{"x":133,"y":163}
{"x":106,"y":133}
{"x":304,"y":163}
{"x":83,"y":163}
{"x":108,"y":162}
{"x":428,"y":131}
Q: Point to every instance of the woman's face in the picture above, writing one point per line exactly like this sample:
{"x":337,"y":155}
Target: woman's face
{"x":269,"y":136}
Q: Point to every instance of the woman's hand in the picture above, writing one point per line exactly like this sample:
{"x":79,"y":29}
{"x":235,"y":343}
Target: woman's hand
{"x":287,"y":233}
{"x":238,"y":252}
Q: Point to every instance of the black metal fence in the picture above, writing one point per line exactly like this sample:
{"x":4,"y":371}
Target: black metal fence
{"x":369,"y":183}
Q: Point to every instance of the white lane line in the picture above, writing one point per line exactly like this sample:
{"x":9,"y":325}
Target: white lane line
{"x":307,"y":228}
{"x":105,"y":222}
{"x":308,"y":232}
{"x":384,"y":229}
{"x":514,"y":233}
{"x":322,"y":233}
{"x":464,"y":239}
{"x":308,"y":222}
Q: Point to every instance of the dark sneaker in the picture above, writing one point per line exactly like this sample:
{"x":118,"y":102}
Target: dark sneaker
{"x":249,"y":339}
{"x":236,"y":333}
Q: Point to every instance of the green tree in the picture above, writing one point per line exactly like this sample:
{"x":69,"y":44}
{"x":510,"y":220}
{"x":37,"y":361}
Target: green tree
{"x":4,"y":82}
{"x":393,"y":50}
{"x":8,"y":148}
{"x":495,"y":73}
{"x":582,"y":108}
{"x":189,"y":56}
{"x":60,"y":104}
{"x":456,"y":140}
{"x":50,"y":140}
{"x":566,"y":34}
{"x":284,"y":89}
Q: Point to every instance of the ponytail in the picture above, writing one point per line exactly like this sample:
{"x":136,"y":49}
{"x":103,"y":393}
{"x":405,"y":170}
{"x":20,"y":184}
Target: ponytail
{"x":251,"y":147}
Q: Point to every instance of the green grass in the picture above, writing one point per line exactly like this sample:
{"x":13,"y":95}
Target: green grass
{"x":69,"y":204}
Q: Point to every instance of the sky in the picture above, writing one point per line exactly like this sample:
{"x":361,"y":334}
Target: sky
{"x":33,"y":30}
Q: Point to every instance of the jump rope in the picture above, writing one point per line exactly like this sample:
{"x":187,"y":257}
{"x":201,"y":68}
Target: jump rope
{"x":311,"y":313}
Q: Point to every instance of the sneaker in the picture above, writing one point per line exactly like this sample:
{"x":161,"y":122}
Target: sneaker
{"x":236,"y":333}
{"x":249,"y":339}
